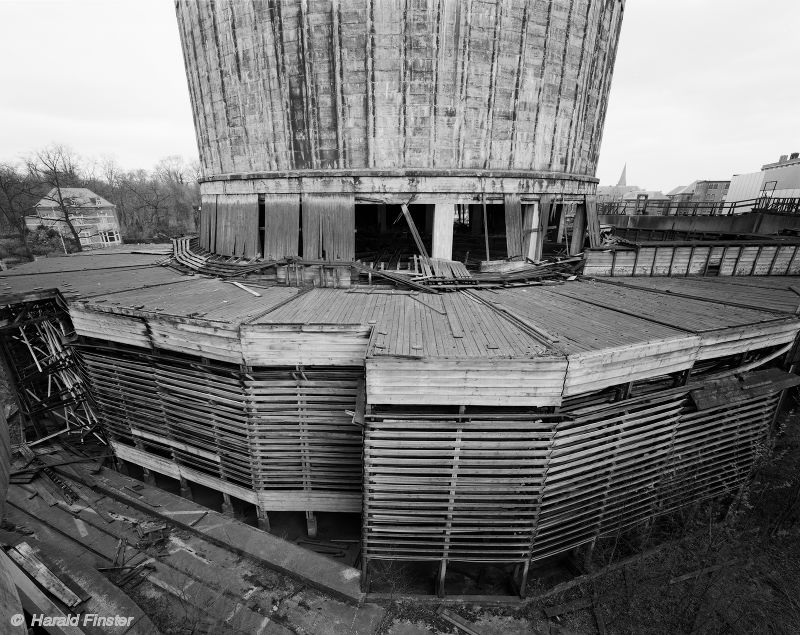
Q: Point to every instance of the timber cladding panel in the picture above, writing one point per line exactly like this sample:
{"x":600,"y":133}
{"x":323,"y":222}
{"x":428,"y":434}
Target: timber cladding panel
{"x":329,"y":225}
{"x":305,"y":84}
{"x":516,"y":489}
{"x":229,"y":225}
{"x":275,"y":434}
{"x":281,"y":226}
{"x":236,"y":228}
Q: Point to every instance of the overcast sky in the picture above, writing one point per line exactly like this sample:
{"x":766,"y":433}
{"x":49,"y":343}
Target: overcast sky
{"x":702,"y":88}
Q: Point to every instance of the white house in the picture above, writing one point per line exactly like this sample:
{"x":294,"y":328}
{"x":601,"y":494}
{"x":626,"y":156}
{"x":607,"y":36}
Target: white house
{"x":94,"y":218}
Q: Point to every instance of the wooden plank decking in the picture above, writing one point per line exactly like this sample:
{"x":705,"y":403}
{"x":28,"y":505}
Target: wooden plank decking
{"x":519,"y":346}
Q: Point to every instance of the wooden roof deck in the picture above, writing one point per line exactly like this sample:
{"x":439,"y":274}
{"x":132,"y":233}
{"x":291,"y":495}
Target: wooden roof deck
{"x":85,"y":261}
{"x":414,"y":325}
{"x":522,"y":345}
{"x":203,"y":298}
{"x":575,"y":325}
{"x":88,"y":283}
{"x":691,"y":314}
{"x":768,"y":293}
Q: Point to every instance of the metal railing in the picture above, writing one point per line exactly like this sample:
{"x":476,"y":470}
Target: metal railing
{"x":699,"y":208}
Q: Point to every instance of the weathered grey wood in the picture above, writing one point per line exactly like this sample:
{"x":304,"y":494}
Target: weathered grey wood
{"x":578,"y":230}
{"x":33,"y":599}
{"x":23,"y":555}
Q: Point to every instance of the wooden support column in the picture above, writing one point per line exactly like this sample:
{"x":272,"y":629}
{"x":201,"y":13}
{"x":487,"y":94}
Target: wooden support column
{"x":592,"y":222}
{"x":148,"y":477}
{"x":578,"y":230}
{"x":530,"y":230}
{"x":443,"y":215}
{"x":545,"y":209}
{"x":186,"y":491}
{"x":311,"y":524}
{"x":535,"y":220}
{"x":263,"y":519}
{"x":227,"y":506}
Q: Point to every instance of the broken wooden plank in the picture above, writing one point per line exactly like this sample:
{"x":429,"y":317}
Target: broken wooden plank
{"x":34,"y":599}
{"x":23,"y":555}
{"x":244,"y":288}
{"x":10,"y":603}
{"x":402,"y":280}
{"x":458,"y":621}
{"x":415,"y":234}
{"x":134,"y":571}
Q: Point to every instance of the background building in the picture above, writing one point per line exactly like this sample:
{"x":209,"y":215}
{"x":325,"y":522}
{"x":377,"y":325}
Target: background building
{"x":700,"y":191}
{"x":774,"y":181}
{"x":94,"y":218}
{"x":699,"y":197}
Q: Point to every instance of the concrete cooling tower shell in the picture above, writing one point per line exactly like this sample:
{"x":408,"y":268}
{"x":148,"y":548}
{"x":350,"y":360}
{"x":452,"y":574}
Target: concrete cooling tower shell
{"x":394,"y":100}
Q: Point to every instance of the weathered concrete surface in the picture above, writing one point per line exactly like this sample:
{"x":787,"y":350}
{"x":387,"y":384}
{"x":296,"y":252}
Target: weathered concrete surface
{"x":493,"y":85}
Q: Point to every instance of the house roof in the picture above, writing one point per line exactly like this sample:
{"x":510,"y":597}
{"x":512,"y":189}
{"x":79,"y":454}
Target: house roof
{"x":73,"y":197}
{"x":683,"y":189}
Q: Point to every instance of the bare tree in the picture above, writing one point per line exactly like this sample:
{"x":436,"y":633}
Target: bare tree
{"x":17,"y":200}
{"x":56,"y":167}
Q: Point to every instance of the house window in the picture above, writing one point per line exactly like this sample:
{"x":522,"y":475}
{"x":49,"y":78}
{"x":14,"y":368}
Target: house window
{"x":110,"y":237}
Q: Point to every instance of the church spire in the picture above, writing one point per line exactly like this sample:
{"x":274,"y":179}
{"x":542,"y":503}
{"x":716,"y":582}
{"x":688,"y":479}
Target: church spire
{"x":622,"y":177}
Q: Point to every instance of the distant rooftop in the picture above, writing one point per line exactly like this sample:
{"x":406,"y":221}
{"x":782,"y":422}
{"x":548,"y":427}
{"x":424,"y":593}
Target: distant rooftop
{"x":786,"y":159}
{"x":73,"y":197}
